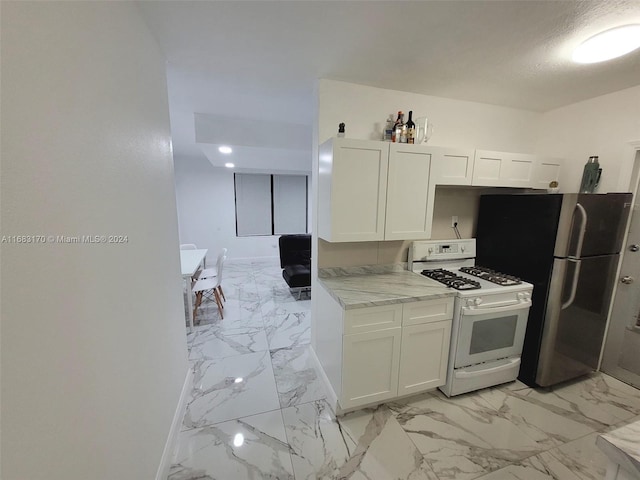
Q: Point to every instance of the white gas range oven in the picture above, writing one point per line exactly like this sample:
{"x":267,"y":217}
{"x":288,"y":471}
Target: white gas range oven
{"x":490,"y":314}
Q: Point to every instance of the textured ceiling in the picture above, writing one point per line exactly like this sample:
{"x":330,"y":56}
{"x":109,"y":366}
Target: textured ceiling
{"x":260,"y":59}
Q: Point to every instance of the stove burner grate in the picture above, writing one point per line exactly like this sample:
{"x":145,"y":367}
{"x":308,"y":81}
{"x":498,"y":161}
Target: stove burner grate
{"x":491,"y":275}
{"x":450,"y":279}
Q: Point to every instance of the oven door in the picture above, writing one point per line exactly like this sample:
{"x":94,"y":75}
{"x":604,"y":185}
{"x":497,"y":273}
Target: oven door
{"x":490,"y":333}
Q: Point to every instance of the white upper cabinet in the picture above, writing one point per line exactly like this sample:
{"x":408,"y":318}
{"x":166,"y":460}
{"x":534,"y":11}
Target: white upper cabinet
{"x":352,"y":190}
{"x":452,"y":166}
{"x":545,"y":171}
{"x":503,"y":169}
{"x":408,"y":192}
{"x":370,"y":190}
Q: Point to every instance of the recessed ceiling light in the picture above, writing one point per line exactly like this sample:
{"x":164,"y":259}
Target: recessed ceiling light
{"x":229,"y":165}
{"x":609,"y":44}
{"x":225,"y":149}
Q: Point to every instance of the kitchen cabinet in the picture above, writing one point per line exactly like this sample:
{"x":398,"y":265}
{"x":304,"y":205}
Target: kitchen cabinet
{"x":452,"y":167}
{"x":387,"y":351}
{"x":370,"y":368}
{"x":352,"y":190}
{"x":545,"y":170}
{"x":370,"y":190}
{"x":503,"y":169}
{"x":426,"y":345}
{"x":407,"y":213}
{"x":426,"y":333}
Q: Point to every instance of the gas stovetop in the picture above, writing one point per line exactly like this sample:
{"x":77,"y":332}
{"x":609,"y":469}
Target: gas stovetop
{"x":452,"y":263}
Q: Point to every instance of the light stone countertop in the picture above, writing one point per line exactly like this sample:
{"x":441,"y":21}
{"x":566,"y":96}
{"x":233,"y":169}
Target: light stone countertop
{"x":622,"y":446}
{"x":375,"y":289}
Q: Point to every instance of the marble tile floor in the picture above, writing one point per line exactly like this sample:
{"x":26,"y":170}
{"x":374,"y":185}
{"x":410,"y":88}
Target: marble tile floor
{"x":257,"y":409}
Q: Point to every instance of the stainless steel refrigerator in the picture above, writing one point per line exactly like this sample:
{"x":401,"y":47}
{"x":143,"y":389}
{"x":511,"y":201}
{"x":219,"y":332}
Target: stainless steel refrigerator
{"x":567,"y":246}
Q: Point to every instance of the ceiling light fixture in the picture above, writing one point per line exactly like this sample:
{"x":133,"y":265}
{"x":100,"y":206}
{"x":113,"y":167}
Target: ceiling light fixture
{"x":609,"y":44}
{"x":229,"y":165}
{"x":224,"y":149}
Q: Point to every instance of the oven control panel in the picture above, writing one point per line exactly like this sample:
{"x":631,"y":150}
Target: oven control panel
{"x":449,"y":248}
{"x":438,"y":250}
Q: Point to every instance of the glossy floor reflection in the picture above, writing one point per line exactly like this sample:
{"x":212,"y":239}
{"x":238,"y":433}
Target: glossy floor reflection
{"x":257,"y":409}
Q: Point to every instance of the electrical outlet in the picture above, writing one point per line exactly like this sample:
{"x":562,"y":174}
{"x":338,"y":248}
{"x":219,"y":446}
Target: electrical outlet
{"x":454,"y":220}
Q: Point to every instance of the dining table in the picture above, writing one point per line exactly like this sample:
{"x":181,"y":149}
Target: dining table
{"x":190,"y":262}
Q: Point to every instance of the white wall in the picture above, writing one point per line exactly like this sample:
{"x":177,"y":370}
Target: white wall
{"x":206,"y":207}
{"x":603,"y":126}
{"x":93,"y":335}
{"x":457,"y":123}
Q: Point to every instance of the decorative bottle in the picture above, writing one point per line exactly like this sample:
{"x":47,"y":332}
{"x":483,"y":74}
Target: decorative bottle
{"x":411,"y":129}
{"x":397,"y":128}
{"x":388,"y":129}
{"x":591,"y":175}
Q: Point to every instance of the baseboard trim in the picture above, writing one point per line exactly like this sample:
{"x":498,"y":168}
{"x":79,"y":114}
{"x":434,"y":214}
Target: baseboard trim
{"x":170,"y":447}
{"x":332,"y":398}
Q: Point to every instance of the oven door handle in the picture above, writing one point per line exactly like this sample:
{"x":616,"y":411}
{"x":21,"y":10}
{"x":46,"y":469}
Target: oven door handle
{"x":483,"y":311}
{"x":479,"y":373}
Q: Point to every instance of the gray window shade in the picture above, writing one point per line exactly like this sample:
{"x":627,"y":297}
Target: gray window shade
{"x":253,"y":204}
{"x":289,"y":204}
{"x":270,"y":204}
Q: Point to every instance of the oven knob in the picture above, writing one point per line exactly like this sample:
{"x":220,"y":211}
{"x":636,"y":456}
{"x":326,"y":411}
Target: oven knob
{"x":477,"y":301}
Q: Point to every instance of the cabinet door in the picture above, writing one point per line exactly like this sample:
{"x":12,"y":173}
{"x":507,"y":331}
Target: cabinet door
{"x":452,"y":167}
{"x":370,"y":367}
{"x":352,"y":190}
{"x":545,"y":170}
{"x":502,"y":169}
{"x":425,"y":354}
{"x":408,"y":193}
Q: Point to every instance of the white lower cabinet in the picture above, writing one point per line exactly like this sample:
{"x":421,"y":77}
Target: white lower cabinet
{"x":370,"y":368}
{"x":426,"y":345}
{"x":398,"y":349}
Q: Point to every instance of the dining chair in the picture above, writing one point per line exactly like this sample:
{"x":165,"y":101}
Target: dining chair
{"x":213,"y":285}
{"x":212,"y":272}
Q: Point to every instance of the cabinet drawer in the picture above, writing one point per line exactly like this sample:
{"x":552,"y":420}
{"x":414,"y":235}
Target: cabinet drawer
{"x":372,"y":318}
{"x":427,"y":311}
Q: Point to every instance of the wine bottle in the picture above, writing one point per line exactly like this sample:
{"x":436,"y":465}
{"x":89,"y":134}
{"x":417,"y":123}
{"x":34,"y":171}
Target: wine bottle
{"x":397,"y":127}
{"x":411,"y":129}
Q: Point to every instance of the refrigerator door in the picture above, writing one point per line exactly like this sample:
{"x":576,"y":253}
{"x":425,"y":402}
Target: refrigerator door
{"x":576,"y":316}
{"x":591,"y":224}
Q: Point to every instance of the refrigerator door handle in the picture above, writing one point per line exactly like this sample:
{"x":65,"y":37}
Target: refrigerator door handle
{"x":583,"y":230}
{"x":574,"y":283}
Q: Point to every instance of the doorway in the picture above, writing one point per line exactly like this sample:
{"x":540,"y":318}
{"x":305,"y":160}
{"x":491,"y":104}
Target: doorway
{"x":621,"y":352}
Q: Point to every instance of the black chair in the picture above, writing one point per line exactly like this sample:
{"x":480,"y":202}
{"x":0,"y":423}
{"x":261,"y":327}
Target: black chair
{"x":295,"y":260}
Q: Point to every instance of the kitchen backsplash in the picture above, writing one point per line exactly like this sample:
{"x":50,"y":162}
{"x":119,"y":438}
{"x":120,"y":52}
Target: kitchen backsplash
{"x":459,"y":201}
